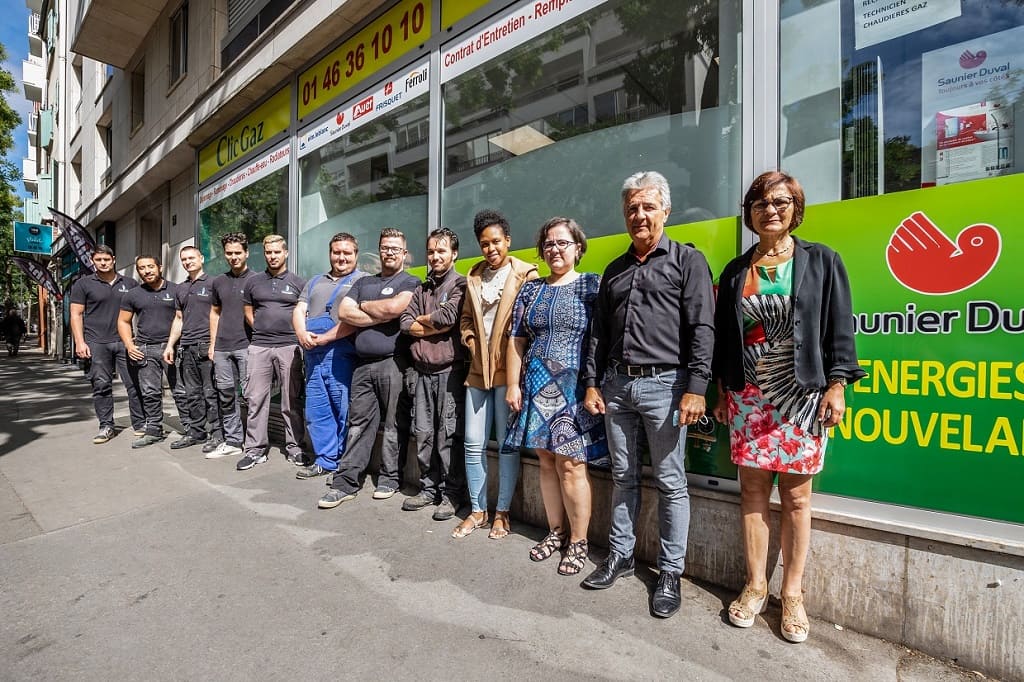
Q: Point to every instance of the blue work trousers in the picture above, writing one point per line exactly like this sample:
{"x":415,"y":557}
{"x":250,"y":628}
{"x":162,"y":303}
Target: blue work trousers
{"x":328,"y":379}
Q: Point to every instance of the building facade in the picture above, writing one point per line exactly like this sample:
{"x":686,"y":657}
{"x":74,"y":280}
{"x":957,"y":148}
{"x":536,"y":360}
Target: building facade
{"x":174,"y":123}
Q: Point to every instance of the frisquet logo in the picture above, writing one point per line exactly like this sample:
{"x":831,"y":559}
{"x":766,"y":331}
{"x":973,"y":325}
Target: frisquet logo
{"x":923,"y":259}
{"x":972,"y":60}
{"x":388,"y":88}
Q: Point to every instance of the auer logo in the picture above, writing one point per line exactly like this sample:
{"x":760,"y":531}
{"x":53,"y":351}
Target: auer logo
{"x":972,"y":60}
{"x":923,"y":259}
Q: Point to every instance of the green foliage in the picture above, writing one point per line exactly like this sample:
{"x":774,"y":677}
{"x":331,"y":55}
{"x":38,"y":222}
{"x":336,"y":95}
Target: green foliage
{"x":14,"y":285}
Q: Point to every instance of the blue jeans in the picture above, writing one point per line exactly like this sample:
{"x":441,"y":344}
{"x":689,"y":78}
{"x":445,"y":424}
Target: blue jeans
{"x":642,"y":407}
{"x":484,"y":408}
{"x":328,"y":378}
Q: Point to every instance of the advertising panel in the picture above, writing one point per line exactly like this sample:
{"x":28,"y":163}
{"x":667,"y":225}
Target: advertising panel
{"x":968,"y":91}
{"x":243,"y":177}
{"x":939,"y":310}
{"x":879,"y":20}
{"x":33,"y":238}
{"x":249,"y":134}
{"x":398,"y":31}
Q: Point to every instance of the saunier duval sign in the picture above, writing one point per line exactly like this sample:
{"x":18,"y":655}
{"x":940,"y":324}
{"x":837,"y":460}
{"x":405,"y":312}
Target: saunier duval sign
{"x":247,"y":135}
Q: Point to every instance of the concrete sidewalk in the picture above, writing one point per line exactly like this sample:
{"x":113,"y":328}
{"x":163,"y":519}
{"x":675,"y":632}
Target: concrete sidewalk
{"x":122,"y":564}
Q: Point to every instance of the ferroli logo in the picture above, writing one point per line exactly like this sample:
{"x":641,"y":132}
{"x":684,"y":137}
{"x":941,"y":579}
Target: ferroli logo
{"x":362,"y":108}
{"x":415,"y":78}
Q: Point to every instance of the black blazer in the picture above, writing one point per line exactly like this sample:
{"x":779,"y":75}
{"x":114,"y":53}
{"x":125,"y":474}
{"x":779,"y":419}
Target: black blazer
{"x":822,"y":319}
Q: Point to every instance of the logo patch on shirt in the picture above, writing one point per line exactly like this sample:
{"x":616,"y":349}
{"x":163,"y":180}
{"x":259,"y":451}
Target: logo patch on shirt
{"x":387,"y":291}
{"x":167,"y":297}
{"x":287,"y":289}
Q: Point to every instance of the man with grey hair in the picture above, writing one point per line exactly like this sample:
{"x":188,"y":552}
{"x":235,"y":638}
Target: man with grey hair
{"x":647,"y":373}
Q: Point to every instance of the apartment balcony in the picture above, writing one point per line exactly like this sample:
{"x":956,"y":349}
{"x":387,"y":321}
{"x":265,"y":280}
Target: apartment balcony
{"x":34,"y":5}
{"x":112,"y":31}
{"x":33,"y":129}
{"x":33,"y":75}
{"x":35,"y":41}
{"x":29,"y":175}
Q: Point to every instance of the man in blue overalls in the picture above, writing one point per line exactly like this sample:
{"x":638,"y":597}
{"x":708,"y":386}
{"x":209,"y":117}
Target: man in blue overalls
{"x":328,"y":367}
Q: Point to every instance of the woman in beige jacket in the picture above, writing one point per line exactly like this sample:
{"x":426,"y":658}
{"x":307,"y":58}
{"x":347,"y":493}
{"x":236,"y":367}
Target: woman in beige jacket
{"x":491,"y":289}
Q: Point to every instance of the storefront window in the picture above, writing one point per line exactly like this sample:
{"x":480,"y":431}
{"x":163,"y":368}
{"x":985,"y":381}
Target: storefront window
{"x":364,"y":167}
{"x":253,"y":200}
{"x":555,"y":122}
{"x":899,"y":97}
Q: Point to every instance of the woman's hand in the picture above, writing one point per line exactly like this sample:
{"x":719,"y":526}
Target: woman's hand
{"x":514,"y":398}
{"x":721,"y":409}
{"x":833,"y":405}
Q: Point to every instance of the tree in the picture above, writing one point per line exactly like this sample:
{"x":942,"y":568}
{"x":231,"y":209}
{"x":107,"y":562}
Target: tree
{"x":14,"y":286}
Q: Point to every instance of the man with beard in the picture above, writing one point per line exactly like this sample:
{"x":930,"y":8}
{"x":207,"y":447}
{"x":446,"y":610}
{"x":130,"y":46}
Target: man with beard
{"x":374,"y":305}
{"x":269,"y":300}
{"x":329,"y":367}
{"x":432,"y":319}
{"x":151,"y":306}
{"x":95,"y":305}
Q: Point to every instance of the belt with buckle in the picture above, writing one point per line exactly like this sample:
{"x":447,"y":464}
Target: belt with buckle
{"x":641,"y":370}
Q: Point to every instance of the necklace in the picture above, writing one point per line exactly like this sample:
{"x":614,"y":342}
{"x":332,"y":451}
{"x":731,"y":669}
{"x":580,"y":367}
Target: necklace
{"x":774,"y":252}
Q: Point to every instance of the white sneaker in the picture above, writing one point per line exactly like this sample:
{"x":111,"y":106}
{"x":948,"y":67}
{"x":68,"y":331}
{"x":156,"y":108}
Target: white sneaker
{"x":225,"y":449}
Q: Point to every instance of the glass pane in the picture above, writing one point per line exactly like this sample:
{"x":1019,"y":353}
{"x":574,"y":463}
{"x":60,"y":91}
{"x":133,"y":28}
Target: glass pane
{"x":368,"y":179}
{"x":898,"y":101}
{"x":555,"y":125}
{"x":257,"y":210}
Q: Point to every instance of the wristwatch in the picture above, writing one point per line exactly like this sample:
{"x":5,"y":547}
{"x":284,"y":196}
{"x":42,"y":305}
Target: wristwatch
{"x":837,"y":380}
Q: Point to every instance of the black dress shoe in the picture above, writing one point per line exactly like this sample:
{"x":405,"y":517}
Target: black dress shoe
{"x":610,"y":570}
{"x":186,"y":442}
{"x":666,"y":597}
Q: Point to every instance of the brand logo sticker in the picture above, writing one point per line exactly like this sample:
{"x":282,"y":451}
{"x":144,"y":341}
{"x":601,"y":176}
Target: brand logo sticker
{"x":923,"y":259}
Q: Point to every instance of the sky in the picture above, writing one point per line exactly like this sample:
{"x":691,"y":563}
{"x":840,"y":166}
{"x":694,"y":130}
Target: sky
{"x":14,"y":36}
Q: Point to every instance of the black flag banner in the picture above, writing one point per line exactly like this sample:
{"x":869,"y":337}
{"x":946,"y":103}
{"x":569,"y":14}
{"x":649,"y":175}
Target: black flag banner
{"x":77,"y":237}
{"x":36,"y":271}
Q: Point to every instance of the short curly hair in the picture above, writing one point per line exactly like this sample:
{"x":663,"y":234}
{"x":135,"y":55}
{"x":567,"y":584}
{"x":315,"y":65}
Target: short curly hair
{"x":488,"y":218}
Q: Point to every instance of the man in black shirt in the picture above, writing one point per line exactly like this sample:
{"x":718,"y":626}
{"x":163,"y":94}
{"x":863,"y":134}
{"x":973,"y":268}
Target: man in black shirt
{"x":374,"y":304}
{"x":647,"y":372}
{"x":151,"y":306}
{"x":95,"y":304}
{"x":195,"y":370}
{"x":269,"y":300}
{"x":229,"y":341}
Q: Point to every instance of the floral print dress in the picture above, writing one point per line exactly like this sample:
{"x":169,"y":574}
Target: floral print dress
{"x":773,"y":422}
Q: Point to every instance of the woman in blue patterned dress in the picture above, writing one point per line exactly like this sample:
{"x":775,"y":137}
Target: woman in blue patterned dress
{"x":550,"y":327}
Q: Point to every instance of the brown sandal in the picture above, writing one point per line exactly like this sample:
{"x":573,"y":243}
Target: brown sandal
{"x":469,"y":525}
{"x":743,"y":611}
{"x":500,"y":527}
{"x":575,"y":558}
{"x":794,"y":625}
{"x":552,"y":542}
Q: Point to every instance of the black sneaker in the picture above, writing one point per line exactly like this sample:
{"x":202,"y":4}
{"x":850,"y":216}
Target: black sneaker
{"x":249,"y":461}
{"x":186,"y":442}
{"x":418,"y":502}
{"x":444,"y":511}
{"x":296,"y":458}
{"x":333,"y":497}
{"x":105,"y":434}
{"x":211,"y":445}
{"x":312,"y":471}
{"x":145,"y":441}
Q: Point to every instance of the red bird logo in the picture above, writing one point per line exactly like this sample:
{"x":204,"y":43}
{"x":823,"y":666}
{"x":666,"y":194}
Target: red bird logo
{"x":925,"y":260}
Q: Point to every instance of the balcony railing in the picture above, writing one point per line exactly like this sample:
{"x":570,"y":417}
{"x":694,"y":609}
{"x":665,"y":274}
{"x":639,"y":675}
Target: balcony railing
{"x":33,"y":23}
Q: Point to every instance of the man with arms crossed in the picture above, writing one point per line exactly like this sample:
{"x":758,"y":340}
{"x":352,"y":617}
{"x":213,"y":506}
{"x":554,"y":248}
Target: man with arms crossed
{"x":151,"y":306}
{"x":269,"y":299}
{"x":192,"y":326}
{"x":647,"y":372}
{"x":373,"y":305}
{"x":229,"y":341}
{"x":328,"y":367}
{"x":432,"y":319}
{"x":95,"y":305}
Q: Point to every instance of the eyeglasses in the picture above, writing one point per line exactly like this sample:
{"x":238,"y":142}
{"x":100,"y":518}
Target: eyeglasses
{"x":780,"y":204}
{"x":391,"y":249}
{"x":560,"y":244}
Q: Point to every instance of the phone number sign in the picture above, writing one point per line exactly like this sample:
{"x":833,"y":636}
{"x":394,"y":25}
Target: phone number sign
{"x":399,"y":30}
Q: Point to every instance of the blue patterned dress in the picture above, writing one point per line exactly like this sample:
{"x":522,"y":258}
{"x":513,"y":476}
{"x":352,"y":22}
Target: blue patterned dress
{"x":556,"y":322}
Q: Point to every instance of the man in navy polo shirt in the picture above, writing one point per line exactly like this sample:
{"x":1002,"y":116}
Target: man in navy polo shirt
{"x":95,"y":304}
{"x":373,"y":304}
{"x":229,"y":341}
{"x":329,"y":367}
{"x":269,"y":299}
{"x":195,"y":370}
{"x":151,"y":306}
